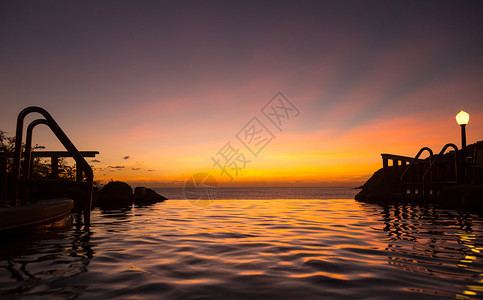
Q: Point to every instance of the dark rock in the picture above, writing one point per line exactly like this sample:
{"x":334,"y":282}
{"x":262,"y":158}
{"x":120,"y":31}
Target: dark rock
{"x":375,"y":190}
{"x":115,"y":194}
{"x":144,"y":195}
{"x":465,"y":197}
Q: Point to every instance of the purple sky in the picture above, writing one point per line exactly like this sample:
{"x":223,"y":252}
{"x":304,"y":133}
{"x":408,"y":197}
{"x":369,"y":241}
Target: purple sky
{"x":123,"y":76}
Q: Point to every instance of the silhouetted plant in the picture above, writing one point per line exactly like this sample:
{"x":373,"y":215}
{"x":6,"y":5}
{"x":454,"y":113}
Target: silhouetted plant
{"x":40,"y":166}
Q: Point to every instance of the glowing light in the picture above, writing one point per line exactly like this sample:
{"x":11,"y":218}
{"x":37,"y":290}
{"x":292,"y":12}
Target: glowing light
{"x":462,"y":118}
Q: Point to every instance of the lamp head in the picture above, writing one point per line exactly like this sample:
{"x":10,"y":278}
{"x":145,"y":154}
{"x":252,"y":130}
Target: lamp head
{"x":462,"y":118}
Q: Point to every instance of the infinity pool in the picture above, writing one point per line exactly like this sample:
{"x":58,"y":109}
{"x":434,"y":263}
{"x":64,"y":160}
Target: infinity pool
{"x":240,"y":249}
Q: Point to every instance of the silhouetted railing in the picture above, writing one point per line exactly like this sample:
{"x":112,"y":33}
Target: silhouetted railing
{"x":54,"y":165}
{"x":84,"y":171}
{"x":418,"y":178}
{"x":474,"y":167}
{"x":412,"y":178}
{"x":441,"y":173}
{"x":399,"y":164}
{"x":3,"y":176}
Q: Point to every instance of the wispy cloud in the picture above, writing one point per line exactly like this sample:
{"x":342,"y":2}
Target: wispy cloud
{"x":367,"y":78}
{"x":115,"y":167}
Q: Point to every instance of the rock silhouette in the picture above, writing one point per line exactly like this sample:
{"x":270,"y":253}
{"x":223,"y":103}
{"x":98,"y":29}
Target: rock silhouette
{"x":144,"y":195}
{"x":115,"y":194}
{"x":118,"y":194}
{"x":375,"y":190}
{"x":459,"y":196}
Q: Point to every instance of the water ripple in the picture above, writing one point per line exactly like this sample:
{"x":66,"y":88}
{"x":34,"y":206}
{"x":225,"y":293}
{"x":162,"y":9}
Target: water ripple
{"x":257,"y":249}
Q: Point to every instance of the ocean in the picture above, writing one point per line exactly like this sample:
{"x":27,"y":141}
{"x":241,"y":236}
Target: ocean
{"x":252,"y":243}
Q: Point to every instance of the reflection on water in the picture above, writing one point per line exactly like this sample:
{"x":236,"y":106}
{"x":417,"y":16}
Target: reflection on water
{"x":303,"y":249}
{"x":33,"y":265}
{"x":438,"y":245}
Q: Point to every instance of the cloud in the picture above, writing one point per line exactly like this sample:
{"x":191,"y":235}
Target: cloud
{"x":150,"y":170}
{"x":126,"y":157}
{"x":136,"y":169}
{"x":95,"y":161}
{"x":116,"y":167}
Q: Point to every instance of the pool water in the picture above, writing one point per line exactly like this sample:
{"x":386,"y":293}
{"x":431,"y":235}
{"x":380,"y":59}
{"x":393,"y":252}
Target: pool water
{"x":252,"y":249}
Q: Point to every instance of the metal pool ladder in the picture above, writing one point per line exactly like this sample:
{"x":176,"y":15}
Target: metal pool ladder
{"x":84,"y":175}
{"x":429,"y":182}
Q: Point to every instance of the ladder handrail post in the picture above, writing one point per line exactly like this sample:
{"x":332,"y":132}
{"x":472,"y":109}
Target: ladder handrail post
{"x":81,"y":163}
{"x":395,"y":172}
{"x":411,"y":164}
{"x":432,"y":165}
{"x":78,"y":174}
{"x":54,"y":165}
{"x":3,"y":178}
{"x":456,"y":173}
{"x":28,"y":160}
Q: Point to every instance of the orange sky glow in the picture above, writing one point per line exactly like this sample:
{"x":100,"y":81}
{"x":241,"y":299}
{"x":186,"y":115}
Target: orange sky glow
{"x":159,"y":89}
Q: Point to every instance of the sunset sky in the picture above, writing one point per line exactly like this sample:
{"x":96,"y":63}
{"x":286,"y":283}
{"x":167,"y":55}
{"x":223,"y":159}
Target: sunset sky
{"x":160,"y":88}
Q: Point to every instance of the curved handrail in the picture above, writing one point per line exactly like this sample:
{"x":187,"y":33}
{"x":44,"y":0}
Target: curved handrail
{"x":415,"y":159}
{"x":61,"y":136}
{"x":28,"y":150}
{"x":439,"y":155}
{"x":436,"y":160}
{"x":27,"y":171}
{"x":28,"y":146}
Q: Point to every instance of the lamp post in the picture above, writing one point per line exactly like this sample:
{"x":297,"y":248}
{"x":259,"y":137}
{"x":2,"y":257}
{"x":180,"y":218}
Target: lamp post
{"x":462,"y":118}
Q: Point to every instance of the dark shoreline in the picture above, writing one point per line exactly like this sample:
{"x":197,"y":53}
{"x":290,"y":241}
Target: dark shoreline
{"x":459,"y":196}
